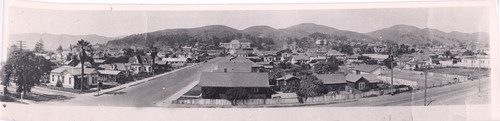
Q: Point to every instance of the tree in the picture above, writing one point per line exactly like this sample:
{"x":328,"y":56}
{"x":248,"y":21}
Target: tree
{"x":39,"y":46}
{"x":128,"y":52}
{"x":154,"y":52}
{"x":311,"y":86}
{"x":326,"y":67}
{"x":59,"y":49}
{"x":235,"y":93}
{"x":83,"y":46}
{"x":347,"y":49}
{"x":25,"y":69}
{"x":468,"y":52}
{"x":447,"y":54}
{"x":387,"y":62}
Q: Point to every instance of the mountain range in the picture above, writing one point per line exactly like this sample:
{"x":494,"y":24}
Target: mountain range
{"x":405,"y":34}
{"x":52,"y":41}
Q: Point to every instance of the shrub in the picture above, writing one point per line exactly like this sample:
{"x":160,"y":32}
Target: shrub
{"x":59,"y":83}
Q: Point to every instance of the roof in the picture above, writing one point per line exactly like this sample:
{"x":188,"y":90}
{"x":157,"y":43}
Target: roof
{"x":74,"y":70}
{"x":332,"y":78}
{"x":60,"y":69}
{"x":286,"y":77}
{"x":366,"y":68}
{"x":175,"y":59}
{"x":240,"y":59}
{"x":300,"y":57}
{"x":109,"y":72}
{"x":235,"y":67}
{"x":376,"y":56}
{"x":355,"y":77}
{"x":99,"y":61}
{"x":238,"y":79}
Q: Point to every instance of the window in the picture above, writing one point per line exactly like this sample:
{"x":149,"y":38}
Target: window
{"x":256,"y":89}
{"x":63,"y":79}
{"x":361,"y":85}
{"x":52,"y":77}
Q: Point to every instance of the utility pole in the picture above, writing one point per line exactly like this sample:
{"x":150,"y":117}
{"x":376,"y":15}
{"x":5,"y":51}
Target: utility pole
{"x":392,"y":71}
{"x":425,"y":89}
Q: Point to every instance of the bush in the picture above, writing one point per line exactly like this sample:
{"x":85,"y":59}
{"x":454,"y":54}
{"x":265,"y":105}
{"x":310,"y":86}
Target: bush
{"x":59,"y":83}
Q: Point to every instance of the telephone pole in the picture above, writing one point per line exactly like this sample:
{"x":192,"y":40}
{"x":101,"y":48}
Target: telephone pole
{"x":425,"y":89}
{"x":392,"y":71}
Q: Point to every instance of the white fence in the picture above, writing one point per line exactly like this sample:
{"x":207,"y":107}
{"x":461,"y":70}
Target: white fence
{"x":397,"y":81}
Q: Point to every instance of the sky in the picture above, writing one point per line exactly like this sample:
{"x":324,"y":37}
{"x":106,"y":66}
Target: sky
{"x":120,"y":23}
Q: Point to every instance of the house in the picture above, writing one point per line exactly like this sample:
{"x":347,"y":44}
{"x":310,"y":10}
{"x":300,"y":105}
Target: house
{"x":367,"y":69}
{"x":176,"y":62}
{"x":300,"y":58}
{"x":70,"y":77}
{"x":111,"y":75}
{"x":287,"y":80}
{"x":123,"y":67}
{"x":362,"y":82}
{"x":237,"y":44}
{"x":214,"y":85}
{"x":140,"y":64}
{"x":333,"y":82}
{"x":473,"y":62}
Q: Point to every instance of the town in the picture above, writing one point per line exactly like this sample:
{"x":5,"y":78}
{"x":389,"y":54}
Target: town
{"x":238,"y":70}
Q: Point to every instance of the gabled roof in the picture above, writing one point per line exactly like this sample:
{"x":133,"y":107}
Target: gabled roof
{"x":332,"y":78}
{"x":240,"y":59}
{"x":355,"y":77}
{"x":74,"y":70}
{"x":300,"y":57}
{"x":286,"y":77}
{"x":109,"y":72}
{"x":60,"y":69}
{"x":366,"y":68}
{"x":180,"y":59}
{"x":237,"y":79}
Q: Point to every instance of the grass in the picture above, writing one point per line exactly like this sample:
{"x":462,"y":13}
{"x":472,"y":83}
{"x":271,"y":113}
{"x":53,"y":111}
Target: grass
{"x":77,"y":91}
{"x":195,"y":91}
{"x":473,"y":73}
{"x":419,"y":78}
{"x":40,"y":97}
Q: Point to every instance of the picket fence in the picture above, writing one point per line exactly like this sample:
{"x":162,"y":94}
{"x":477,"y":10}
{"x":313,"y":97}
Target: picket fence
{"x":273,"y":101}
{"x":397,"y":81}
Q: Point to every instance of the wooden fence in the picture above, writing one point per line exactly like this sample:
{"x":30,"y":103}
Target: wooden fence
{"x":318,"y":99}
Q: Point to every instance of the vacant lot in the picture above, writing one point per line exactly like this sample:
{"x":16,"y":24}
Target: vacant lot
{"x":473,"y":73}
{"x":419,"y":78}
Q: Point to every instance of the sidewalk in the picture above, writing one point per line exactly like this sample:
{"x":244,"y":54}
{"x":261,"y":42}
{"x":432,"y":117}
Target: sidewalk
{"x":134,"y":83}
{"x":178,"y":94}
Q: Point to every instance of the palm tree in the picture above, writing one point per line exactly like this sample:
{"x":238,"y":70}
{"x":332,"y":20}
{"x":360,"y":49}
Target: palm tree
{"x":83,"y":46}
{"x":153,"y":54}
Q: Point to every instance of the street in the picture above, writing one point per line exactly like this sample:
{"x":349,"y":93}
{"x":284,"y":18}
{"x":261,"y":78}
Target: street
{"x":456,"y":94}
{"x":148,"y":93}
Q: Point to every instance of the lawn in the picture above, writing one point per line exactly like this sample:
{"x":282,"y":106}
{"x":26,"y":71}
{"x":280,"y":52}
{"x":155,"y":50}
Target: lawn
{"x":473,"y":73}
{"x":419,"y":78}
{"x":195,"y":91}
{"x":40,"y":97}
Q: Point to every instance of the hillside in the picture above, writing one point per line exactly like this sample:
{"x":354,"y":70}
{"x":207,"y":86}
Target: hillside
{"x":52,"y":41}
{"x":413,"y":35}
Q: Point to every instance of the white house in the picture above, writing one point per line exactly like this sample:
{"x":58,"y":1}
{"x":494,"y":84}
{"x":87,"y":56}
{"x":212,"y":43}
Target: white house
{"x":67,"y":75}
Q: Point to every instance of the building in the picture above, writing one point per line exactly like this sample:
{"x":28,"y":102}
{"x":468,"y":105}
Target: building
{"x":362,"y":82}
{"x":236,"y":44}
{"x":333,"y":82}
{"x":300,"y":58}
{"x":367,"y":69}
{"x":287,"y":80}
{"x":214,"y":85}
{"x":141,"y":64}
{"x":176,"y":62}
{"x":70,"y":77}
{"x":473,"y":62}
